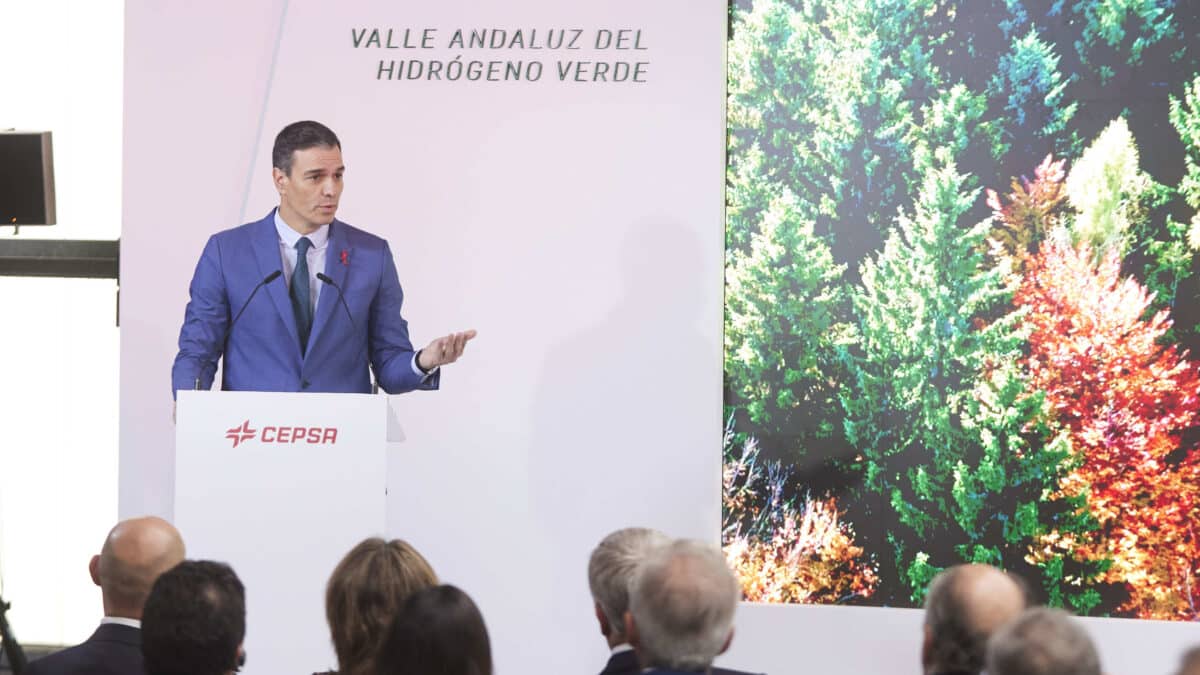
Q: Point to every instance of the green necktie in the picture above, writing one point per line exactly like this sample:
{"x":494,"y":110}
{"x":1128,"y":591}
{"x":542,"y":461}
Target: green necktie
{"x":302,"y":293}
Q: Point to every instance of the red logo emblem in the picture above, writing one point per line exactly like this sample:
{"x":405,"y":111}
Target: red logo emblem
{"x":345,"y":257}
{"x":242,"y":433}
{"x":283,"y":434}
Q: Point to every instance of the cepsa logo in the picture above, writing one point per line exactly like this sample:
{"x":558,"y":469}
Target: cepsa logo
{"x":282,"y":434}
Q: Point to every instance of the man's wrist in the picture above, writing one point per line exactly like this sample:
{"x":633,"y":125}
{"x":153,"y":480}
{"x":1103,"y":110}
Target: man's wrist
{"x":420,"y":366}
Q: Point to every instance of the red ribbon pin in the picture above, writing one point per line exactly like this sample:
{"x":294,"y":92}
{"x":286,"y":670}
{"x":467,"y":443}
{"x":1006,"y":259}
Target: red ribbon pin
{"x":345,"y":257}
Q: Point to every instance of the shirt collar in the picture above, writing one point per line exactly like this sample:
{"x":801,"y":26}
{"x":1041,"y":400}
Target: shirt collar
{"x":621,"y":648}
{"x":289,"y":236}
{"x":121,"y":621}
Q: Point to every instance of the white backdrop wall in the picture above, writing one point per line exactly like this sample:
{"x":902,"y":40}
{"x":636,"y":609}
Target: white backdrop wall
{"x":577,"y":226}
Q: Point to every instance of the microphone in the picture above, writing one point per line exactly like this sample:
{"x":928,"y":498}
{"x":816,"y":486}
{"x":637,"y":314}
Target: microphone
{"x":266,"y":280}
{"x":325,"y":279}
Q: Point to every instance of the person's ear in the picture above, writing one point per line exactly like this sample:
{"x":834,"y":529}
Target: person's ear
{"x":728,"y":641}
{"x":279,"y":178}
{"x":631,"y":632}
{"x":240,"y":661}
{"x":926,"y":646}
{"x":605,"y":628}
{"x":94,"y":569}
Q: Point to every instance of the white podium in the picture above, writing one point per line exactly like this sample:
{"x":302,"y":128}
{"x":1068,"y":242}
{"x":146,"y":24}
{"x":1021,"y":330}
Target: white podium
{"x":280,"y":486}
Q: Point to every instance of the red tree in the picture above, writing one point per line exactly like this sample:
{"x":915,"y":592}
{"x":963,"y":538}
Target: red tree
{"x":1124,"y":399}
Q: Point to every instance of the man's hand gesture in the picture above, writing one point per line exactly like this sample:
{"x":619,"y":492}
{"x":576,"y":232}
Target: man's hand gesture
{"x":444,"y":350}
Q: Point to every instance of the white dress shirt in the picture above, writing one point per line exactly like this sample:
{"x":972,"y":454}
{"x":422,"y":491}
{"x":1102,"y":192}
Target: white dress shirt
{"x":316,"y":263}
{"x":316,"y":255}
{"x":122,"y":621}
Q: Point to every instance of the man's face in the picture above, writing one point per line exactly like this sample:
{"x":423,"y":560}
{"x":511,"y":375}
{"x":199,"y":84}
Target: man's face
{"x":309,"y":194}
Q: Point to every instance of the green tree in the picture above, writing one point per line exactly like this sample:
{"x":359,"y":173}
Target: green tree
{"x":823,"y":93}
{"x":1109,"y":191}
{"x":948,"y":435}
{"x":1114,"y":30}
{"x":783,"y":296}
{"x":1036,"y":111}
{"x":1120,"y":207}
{"x":1175,"y":253}
{"x":1185,"y":117}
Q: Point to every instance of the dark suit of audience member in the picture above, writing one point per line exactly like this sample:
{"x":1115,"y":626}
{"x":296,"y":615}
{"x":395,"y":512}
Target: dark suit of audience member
{"x":626,"y":663}
{"x":134,"y":554}
{"x":114,"y":649}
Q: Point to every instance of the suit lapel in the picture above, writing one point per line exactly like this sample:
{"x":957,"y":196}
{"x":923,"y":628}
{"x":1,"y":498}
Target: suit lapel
{"x":266,"y":252}
{"x":328,"y":302}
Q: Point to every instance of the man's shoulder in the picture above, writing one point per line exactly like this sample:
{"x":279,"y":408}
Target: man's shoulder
{"x":358,"y":236}
{"x":247,"y":230}
{"x":112,"y":647}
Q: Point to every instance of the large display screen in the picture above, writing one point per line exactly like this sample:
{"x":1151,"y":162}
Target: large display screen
{"x":961,"y":317}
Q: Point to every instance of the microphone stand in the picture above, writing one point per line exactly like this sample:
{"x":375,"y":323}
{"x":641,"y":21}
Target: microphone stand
{"x":8,"y":641}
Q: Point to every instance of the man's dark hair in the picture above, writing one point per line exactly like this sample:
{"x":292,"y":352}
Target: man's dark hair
{"x":301,"y":136}
{"x":194,"y":620}
{"x":437,"y":630}
{"x":958,"y":634}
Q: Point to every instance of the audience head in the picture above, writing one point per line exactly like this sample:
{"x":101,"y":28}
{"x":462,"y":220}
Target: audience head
{"x":364,"y":593}
{"x":964,"y":605}
{"x":134,"y":554}
{"x":195,"y":621}
{"x":438,"y":631}
{"x":1190,"y":663}
{"x":610,"y":572}
{"x":1042,"y":641}
{"x":681,"y":606}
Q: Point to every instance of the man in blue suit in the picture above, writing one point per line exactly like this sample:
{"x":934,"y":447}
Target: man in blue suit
{"x":316,"y":302}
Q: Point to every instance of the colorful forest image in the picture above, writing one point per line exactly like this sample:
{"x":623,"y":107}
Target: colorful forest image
{"x":962,"y":312}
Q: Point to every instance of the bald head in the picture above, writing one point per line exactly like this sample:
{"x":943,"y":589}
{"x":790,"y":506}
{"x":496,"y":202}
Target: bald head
{"x":134,"y":554}
{"x":964,"y":606}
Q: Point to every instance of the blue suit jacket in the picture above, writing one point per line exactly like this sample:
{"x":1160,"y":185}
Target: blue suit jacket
{"x":112,"y":650}
{"x":263,"y":349}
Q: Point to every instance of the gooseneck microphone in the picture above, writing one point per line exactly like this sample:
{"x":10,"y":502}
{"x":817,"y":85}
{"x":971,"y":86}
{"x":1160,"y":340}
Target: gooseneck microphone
{"x":266,"y":280}
{"x":341,"y":296}
{"x":325,"y":279}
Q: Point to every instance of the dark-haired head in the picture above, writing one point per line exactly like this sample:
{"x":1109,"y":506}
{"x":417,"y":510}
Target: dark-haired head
{"x":194,"y":620}
{"x":438,"y":631}
{"x":300,"y":136}
{"x":364,"y":593}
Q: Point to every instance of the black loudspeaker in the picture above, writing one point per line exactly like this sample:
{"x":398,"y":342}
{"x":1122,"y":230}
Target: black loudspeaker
{"x":26,"y":178}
